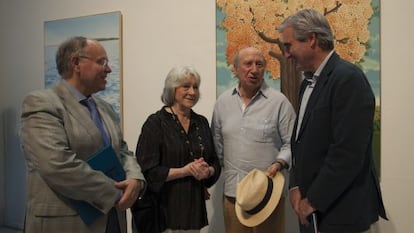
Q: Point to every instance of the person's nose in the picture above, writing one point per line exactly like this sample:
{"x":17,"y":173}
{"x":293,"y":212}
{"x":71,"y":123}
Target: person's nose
{"x":287,"y":54}
{"x":191,"y":90}
{"x":255,"y":69}
{"x":107,"y":69}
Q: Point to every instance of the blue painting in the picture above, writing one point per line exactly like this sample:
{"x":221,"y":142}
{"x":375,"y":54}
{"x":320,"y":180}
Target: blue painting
{"x":106,"y":28}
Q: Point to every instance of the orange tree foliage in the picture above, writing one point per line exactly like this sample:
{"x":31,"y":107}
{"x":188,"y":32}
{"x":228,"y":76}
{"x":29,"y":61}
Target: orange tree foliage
{"x":254,"y":22}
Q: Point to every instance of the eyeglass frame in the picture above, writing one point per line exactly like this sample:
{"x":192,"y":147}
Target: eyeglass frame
{"x":103,"y":62}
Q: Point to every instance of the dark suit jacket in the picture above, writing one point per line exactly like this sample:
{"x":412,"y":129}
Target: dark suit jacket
{"x":332,"y":155}
{"x":58,"y":135}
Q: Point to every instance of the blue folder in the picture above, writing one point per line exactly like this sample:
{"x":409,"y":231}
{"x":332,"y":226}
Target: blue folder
{"x":106,"y":161}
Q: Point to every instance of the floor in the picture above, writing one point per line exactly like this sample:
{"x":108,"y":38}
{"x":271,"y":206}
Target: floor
{"x":9,"y":230}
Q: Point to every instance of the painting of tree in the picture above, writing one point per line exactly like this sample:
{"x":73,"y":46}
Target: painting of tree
{"x":355,"y":24}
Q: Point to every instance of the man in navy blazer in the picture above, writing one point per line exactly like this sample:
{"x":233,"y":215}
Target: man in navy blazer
{"x":333,"y":176}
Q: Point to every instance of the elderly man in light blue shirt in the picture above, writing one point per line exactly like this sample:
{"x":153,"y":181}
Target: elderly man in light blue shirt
{"x":252,"y":125}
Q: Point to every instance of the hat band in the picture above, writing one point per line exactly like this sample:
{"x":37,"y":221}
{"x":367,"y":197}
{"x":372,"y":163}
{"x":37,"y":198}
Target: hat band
{"x":265,"y":200}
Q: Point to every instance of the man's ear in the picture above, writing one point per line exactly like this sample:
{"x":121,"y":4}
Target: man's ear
{"x":313,"y":39}
{"x":74,"y":61}
{"x":233,"y":69}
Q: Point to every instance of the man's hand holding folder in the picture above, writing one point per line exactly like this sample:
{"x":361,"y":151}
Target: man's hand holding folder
{"x":106,"y":161}
{"x":130,"y":193}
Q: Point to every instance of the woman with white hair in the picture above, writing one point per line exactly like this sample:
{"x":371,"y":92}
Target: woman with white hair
{"x":176,"y":153}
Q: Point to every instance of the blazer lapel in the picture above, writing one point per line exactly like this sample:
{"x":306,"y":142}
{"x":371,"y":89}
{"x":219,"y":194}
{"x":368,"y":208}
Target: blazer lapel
{"x":78,"y":112}
{"x":303,"y":86}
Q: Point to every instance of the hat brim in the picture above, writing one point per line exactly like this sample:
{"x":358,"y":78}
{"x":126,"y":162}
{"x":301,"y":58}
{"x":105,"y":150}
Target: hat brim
{"x":256,"y":219}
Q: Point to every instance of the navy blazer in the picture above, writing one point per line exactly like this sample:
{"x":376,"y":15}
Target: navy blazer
{"x":332,"y":153}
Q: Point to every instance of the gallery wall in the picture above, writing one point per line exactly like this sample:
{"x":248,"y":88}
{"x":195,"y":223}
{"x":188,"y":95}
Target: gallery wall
{"x":159,"y":34}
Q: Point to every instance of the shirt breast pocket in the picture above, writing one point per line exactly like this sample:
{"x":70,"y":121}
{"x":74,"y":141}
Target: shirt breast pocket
{"x":261,"y":130}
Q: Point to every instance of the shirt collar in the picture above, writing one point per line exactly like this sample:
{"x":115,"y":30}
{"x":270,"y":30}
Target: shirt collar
{"x":263,"y":90}
{"x":75,"y":92}
{"x":322,"y":65}
{"x":312,"y":77}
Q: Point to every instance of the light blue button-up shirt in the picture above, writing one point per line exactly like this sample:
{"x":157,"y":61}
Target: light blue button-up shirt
{"x":253,"y":136}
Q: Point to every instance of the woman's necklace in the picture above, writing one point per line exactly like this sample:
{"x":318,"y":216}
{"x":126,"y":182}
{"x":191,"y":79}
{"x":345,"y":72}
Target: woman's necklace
{"x":180,"y":125}
{"x":184,"y":121}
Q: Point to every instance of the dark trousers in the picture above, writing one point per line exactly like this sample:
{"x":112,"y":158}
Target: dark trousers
{"x":112,"y":225}
{"x":310,"y":227}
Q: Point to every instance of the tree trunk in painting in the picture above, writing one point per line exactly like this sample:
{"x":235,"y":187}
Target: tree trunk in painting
{"x":290,"y":79}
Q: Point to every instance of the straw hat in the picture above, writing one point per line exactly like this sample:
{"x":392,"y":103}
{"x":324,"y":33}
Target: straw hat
{"x":257,"y":196}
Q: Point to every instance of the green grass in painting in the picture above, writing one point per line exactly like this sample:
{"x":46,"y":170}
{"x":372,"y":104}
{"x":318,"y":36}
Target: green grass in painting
{"x":376,"y":140}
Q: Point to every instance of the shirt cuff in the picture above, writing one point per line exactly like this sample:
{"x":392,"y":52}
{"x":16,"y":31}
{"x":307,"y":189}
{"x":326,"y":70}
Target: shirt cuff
{"x":143,"y":188}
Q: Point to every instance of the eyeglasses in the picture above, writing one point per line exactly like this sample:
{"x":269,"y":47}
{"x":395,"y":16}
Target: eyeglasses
{"x":103,"y":62}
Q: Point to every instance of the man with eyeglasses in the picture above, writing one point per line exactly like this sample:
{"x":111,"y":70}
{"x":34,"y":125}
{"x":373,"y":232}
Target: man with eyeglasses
{"x":333,"y":185}
{"x":61,"y":128}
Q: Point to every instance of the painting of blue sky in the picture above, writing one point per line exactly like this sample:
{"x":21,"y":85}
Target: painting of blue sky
{"x":106,"y":28}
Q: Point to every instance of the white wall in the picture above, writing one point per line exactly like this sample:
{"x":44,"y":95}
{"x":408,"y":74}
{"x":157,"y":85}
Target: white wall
{"x":397,"y":114}
{"x":158,"y":34}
